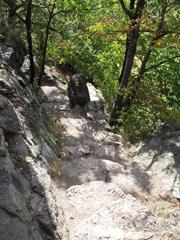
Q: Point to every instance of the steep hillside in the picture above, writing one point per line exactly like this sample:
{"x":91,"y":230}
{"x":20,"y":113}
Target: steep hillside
{"x":65,"y":175}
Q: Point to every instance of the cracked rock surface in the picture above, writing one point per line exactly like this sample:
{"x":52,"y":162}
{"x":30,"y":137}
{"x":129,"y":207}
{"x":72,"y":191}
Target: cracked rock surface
{"x":105,"y":189}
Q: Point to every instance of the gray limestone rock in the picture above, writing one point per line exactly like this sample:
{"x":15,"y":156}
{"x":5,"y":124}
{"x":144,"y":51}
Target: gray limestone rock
{"x":9,"y":121}
{"x":82,"y":170}
{"x":160,"y":156}
{"x":25,"y":153}
{"x":2,"y":144}
{"x":12,"y":228}
{"x":12,"y":52}
{"x":7,"y":54}
{"x":6,"y":83}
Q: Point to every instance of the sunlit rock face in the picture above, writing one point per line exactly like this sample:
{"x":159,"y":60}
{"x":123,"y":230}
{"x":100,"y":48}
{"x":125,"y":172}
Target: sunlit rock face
{"x":65,"y":175}
{"x":160,"y":157}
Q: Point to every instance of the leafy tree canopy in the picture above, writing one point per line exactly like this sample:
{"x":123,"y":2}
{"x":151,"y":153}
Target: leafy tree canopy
{"x":95,"y":37}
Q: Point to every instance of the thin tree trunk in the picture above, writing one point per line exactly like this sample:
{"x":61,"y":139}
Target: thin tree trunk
{"x":45,"y":45}
{"x":12,"y":14}
{"x":29,"y":40}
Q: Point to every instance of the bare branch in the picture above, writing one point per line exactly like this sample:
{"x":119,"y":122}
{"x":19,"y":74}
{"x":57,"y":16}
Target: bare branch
{"x":60,"y":11}
{"x":22,"y":19}
{"x":40,"y":6}
{"x":161,"y":63}
{"x":141,"y":31}
{"x":160,"y":32}
{"x":15,"y":8}
{"x":125,"y":8}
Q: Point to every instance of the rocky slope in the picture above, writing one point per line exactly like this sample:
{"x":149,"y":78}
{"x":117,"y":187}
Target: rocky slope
{"x":64,"y":175}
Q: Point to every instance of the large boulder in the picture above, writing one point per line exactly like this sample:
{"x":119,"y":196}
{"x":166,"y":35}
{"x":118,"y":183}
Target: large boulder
{"x":77,"y":91}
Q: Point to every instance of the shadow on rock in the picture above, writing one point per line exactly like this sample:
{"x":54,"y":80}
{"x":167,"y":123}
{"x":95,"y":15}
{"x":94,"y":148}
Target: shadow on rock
{"x":160,"y":155}
{"x":24,"y":206}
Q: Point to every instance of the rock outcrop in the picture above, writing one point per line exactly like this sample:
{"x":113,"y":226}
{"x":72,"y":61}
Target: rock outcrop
{"x":159,"y":156}
{"x":12,"y":52}
{"x":65,"y":175}
{"x":28,"y":145}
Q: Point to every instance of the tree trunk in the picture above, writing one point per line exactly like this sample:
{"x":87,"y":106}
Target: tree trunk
{"x":131,"y":45}
{"x":12,"y":13}
{"x":123,"y":101}
{"x":29,"y":40}
{"x":45,"y":45}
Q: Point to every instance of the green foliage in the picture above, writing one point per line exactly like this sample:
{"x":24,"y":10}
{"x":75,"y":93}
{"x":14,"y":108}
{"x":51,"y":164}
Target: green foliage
{"x":158,"y":98}
{"x":91,"y":36}
{"x":140,"y":123}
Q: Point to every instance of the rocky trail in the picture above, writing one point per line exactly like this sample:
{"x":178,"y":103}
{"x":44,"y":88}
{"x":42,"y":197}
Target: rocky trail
{"x":65,"y":175}
{"x":102,"y":180}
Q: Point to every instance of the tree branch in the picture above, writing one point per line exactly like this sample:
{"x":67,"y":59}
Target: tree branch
{"x":40,"y":6}
{"x":15,"y":10}
{"x":125,"y":8}
{"x":60,"y":11}
{"x":131,"y":5}
{"x":22,"y":19}
{"x":161,"y":63}
{"x":139,"y":8}
{"x":159,"y":34}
